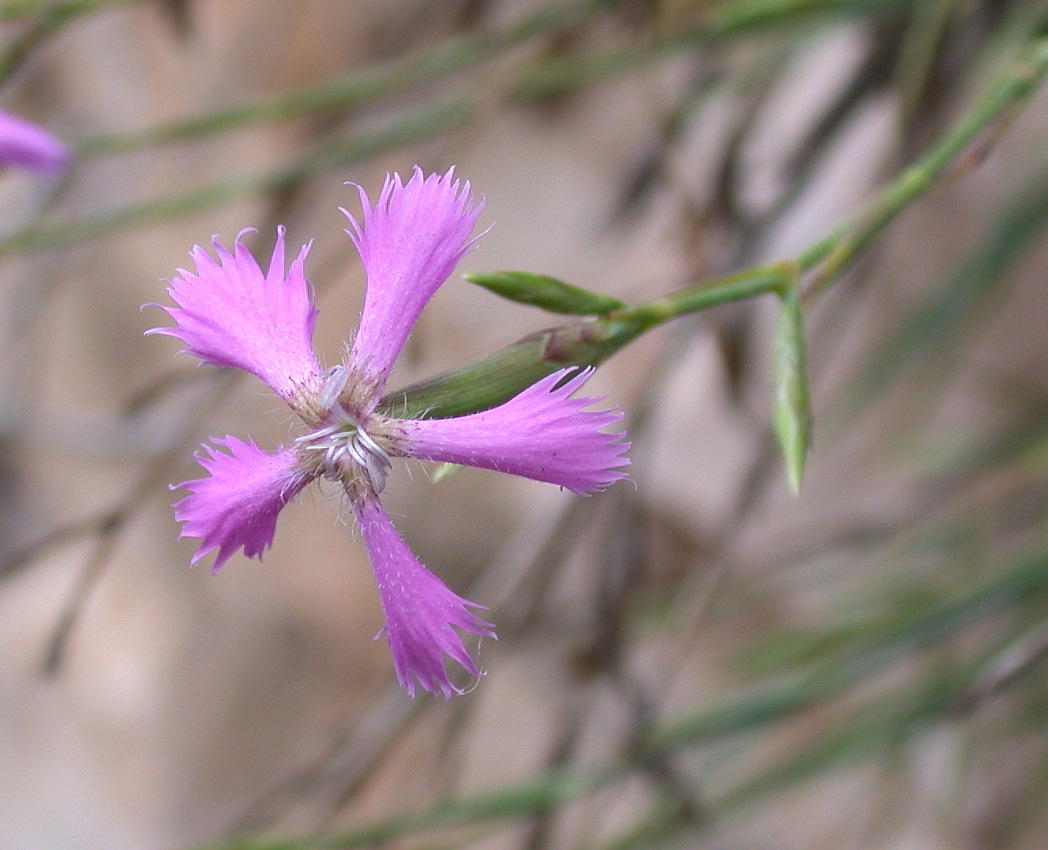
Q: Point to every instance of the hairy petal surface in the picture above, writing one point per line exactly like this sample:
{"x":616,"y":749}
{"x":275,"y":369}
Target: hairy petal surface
{"x":231,"y":314}
{"x":28,"y":146}
{"x":421,"y":612}
{"x":542,"y":433}
{"x":409,"y":242}
{"x":237,"y":504}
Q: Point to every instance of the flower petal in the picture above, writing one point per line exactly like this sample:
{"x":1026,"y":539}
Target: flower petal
{"x":29,"y":146}
{"x":540,"y":433}
{"x":237,"y":504}
{"x":409,"y":243}
{"x":421,"y":612}
{"x":231,"y":314}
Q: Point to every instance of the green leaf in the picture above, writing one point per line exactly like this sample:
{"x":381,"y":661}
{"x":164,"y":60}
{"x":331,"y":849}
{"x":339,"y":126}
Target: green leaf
{"x":792,"y":416}
{"x":550,"y":294}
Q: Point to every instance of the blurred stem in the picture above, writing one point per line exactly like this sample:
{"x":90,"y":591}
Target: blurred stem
{"x":556,"y":75}
{"x":929,"y":21}
{"x":722,"y":21}
{"x":44,"y":9}
{"x":445,"y":116}
{"x":936,"y":324}
{"x":871,"y":731}
{"x":355,"y":89}
{"x":959,"y":152}
{"x":48,"y":18}
{"x":715,"y":23}
{"x":1021,"y":580}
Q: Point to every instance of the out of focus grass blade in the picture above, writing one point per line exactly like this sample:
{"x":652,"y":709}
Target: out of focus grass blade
{"x":18,"y":9}
{"x":415,"y":126}
{"x":981,"y":281}
{"x":44,"y":21}
{"x":1018,"y":581}
{"x":357,"y":88}
{"x":711,"y":23}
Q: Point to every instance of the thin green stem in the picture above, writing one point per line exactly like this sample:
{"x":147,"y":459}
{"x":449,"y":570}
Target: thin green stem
{"x":723,"y":290}
{"x":833,"y":254}
{"x":590,"y":342}
{"x":958,"y":152}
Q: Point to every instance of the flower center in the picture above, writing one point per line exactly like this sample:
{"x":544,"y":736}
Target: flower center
{"x":346,"y":445}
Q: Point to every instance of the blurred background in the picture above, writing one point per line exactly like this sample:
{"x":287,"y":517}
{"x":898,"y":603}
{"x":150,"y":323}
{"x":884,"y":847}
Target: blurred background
{"x":699,"y":661}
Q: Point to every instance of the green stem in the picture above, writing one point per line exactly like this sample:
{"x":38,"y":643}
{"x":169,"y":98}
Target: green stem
{"x":590,"y":342}
{"x":958,"y":152}
{"x":723,"y":290}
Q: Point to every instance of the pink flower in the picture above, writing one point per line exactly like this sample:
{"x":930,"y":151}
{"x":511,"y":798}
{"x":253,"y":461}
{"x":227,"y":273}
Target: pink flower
{"x":231,"y":313}
{"x":27,"y":146}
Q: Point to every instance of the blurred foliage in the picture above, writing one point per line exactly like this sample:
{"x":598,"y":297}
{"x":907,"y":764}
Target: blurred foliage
{"x":908,"y":622}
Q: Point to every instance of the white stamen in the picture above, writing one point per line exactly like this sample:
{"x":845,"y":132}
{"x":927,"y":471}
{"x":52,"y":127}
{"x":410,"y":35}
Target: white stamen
{"x":345,"y":440}
{"x":335,"y":380}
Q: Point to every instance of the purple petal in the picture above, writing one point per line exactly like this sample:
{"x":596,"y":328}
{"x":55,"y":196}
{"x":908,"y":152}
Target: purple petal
{"x":421,"y":613}
{"x":231,"y":314}
{"x":237,"y":505}
{"x":409,"y":243}
{"x":540,"y":433}
{"x":28,"y":146}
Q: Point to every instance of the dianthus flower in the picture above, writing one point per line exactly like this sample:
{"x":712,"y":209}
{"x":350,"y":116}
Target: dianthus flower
{"x":230,"y":313}
{"x":26,"y":145}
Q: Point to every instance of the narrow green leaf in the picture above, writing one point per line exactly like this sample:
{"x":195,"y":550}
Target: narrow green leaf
{"x":792,"y":416}
{"x":550,"y":294}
